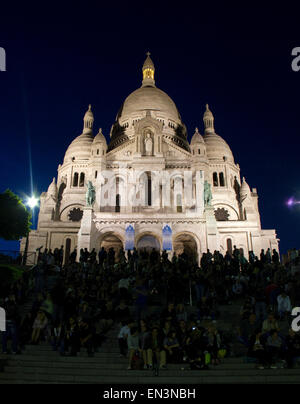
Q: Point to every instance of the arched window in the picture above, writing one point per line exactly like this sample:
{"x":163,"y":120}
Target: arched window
{"x":97,"y":151}
{"x":96,"y":174}
{"x":199,"y":151}
{"x":148,"y":189}
{"x":118,"y":203}
{"x":229,"y":246}
{"x":75,"y":180}
{"x":222,"y":181}
{"x":179,"y":203}
{"x":81,"y":180}
{"x":215,"y":179}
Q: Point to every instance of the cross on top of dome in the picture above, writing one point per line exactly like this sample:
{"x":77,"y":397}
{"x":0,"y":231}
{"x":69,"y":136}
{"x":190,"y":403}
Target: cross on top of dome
{"x":148,"y":71}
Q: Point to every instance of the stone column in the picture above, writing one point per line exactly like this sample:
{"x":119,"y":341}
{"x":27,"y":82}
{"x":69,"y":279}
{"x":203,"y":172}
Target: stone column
{"x":98,"y":193}
{"x":84,"y":234}
{"x":138,"y":152}
{"x":158,"y":145}
{"x":211,"y":229}
{"x":199,"y":192}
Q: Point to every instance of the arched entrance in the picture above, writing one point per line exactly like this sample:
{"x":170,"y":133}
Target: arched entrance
{"x":148,"y":242}
{"x":67,"y":250}
{"x":185,"y":243}
{"x":111,"y":240}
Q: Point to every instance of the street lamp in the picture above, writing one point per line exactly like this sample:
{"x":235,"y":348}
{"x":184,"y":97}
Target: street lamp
{"x":32,"y":202}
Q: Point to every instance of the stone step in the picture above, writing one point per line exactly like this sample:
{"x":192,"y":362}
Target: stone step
{"x":83,"y":357}
{"x":52,"y":356}
{"x":41,"y":349}
{"x":120,"y":373}
{"x":104,"y":364}
{"x":40,"y":364}
{"x":197,"y":378}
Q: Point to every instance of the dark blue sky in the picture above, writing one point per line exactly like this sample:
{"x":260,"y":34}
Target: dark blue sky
{"x":236,"y":59}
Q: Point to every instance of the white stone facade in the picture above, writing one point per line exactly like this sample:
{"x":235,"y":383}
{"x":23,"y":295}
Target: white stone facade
{"x":149,"y":136}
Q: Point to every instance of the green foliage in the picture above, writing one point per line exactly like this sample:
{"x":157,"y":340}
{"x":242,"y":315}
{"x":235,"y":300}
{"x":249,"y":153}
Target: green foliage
{"x":14,"y":217}
{"x":8,"y":275}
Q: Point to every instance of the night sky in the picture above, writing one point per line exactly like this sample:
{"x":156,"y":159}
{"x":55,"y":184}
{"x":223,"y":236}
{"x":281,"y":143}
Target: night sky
{"x":238,"y":60}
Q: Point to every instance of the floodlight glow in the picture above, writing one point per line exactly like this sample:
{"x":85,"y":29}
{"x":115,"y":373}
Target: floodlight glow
{"x":32,"y":202}
{"x":292,"y":202}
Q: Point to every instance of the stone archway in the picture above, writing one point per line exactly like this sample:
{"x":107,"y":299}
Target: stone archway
{"x":148,"y":242}
{"x":186,"y":243}
{"x":111,"y":240}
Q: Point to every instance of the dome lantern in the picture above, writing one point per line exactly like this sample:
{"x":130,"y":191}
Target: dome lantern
{"x":208,"y":119}
{"x":148,"y":72}
{"x":88,"y":121}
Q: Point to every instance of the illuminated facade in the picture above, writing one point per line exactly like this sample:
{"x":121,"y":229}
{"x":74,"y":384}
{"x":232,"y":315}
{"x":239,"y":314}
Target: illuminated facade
{"x":148,"y":143}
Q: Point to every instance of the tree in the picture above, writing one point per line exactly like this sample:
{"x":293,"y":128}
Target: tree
{"x":14,"y":217}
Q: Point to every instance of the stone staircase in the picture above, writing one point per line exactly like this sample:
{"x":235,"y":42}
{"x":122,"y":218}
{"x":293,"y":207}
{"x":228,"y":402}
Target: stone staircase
{"x":40,"y":364}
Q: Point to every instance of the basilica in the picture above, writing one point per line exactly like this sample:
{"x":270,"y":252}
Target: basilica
{"x":148,"y":187}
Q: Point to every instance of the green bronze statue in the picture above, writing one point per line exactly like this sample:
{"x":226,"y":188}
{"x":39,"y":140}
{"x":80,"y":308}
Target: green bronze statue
{"x":207,"y":194}
{"x":90,"y":194}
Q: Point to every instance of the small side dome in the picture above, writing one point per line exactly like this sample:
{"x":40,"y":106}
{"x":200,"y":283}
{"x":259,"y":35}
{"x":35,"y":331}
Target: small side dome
{"x":99,"y":138}
{"x":197,"y":138}
{"x":216,"y":147}
{"x":99,"y":146}
{"x":245,"y":190}
{"x":80,"y":148}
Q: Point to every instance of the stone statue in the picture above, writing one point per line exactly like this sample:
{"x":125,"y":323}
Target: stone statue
{"x":207,"y":194}
{"x":90,"y":194}
{"x":148,"y":144}
{"x":64,"y":179}
{"x":237,"y":189}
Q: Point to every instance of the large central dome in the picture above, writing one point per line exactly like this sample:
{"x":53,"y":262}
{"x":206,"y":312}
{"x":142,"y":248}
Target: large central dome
{"x":149,"y":98}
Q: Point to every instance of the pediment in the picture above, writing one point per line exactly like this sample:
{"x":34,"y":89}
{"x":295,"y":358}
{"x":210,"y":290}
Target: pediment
{"x":170,"y":150}
{"x":148,"y":123}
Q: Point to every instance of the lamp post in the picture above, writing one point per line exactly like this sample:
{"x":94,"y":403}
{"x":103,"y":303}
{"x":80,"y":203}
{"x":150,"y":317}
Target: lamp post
{"x":32,"y":203}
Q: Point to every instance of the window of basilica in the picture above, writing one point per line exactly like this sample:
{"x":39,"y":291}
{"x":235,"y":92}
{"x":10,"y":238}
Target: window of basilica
{"x":221,"y":215}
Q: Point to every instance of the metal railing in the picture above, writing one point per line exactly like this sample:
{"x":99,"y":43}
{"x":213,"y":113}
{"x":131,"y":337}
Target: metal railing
{"x":15,"y":257}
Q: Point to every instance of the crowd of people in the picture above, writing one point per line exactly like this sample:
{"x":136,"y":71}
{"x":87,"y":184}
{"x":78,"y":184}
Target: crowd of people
{"x":75,"y":305}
